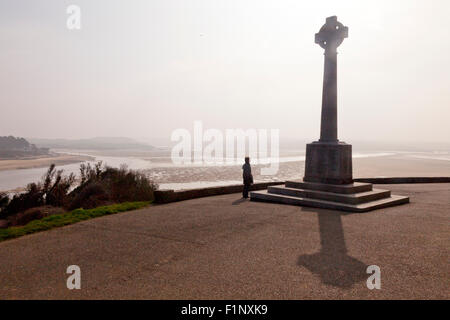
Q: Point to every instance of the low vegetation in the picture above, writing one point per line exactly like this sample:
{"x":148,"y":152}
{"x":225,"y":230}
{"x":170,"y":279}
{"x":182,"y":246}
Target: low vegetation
{"x":4,"y":200}
{"x":53,"y":190}
{"x":98,"y":185}
{"x":67,"y":218}
{"x":102,"y":185}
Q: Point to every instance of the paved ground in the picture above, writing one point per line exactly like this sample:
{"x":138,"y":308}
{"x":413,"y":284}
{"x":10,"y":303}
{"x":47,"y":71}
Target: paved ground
{"x":224,"y":248}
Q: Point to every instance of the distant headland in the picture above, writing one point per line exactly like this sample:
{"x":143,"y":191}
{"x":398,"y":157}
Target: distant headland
{"x":18,"y":153}
{"x":19,"y":148}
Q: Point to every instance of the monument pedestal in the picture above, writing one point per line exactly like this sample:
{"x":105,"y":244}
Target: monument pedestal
{"x":328,"y":162}
{"x":328,"y":183}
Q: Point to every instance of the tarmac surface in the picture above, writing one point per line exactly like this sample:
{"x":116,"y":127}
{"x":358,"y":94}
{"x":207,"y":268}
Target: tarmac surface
{"x":224,"y":247}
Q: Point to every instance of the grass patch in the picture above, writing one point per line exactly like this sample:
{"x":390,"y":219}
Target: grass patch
{"x":72,"y":217}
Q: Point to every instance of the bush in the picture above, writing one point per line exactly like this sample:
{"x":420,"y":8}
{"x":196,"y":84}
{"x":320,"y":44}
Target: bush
{"x":91,"y":195}
{"x":102,"y":185}
{"x":128,"y":185}
{"x":55,"y":187}
{"x":52,"y":190}
{"x":32,"y":197}
{"x":31,"y":214}
{"x":99,"y":185}
{"x":4,"y":200}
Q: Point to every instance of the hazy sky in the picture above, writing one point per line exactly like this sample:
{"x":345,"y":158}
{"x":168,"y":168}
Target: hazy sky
{"x":144,"y":68}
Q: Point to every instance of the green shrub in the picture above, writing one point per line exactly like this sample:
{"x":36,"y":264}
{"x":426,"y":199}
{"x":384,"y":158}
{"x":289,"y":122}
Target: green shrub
{"x":99,"y":185}
{"x":52,"y":190}
{"x":103,"y":185}
{"x":4,"y":200}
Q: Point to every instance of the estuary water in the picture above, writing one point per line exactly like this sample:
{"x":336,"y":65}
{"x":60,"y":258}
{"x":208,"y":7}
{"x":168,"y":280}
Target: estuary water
{"x":168,"y":175}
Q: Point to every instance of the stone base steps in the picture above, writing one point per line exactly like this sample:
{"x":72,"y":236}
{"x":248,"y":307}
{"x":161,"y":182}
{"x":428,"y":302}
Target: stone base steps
{"x":336,"y":188}
{"x":355,"y":197}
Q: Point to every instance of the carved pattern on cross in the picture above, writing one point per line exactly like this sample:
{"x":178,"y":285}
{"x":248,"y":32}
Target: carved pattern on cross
{"x":331,"y":35}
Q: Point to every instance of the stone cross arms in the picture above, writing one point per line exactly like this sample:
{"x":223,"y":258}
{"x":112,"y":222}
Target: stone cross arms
{"x":331,"y":35}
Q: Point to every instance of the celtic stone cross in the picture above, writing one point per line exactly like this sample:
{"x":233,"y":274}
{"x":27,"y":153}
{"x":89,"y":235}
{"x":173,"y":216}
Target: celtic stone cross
{"x":330,"y":37}
{"x":329,"y":160}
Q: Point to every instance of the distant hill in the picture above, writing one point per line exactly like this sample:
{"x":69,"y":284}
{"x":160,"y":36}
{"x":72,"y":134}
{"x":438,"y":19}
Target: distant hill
{"x":14,"y":148}
{"x":100,"y":143}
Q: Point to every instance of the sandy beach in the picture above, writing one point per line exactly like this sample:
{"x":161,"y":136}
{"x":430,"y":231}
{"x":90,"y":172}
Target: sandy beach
{"x":58,"y":159}
{"x":401,"y":165}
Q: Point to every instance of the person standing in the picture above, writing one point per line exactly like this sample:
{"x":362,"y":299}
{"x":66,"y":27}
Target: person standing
{"x":247,"y":177}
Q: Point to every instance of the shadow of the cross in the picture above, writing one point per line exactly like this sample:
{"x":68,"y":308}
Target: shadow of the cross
{"x":332,"y":263}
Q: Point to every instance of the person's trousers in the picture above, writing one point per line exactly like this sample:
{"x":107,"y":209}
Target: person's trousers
{"x":245,"y":190}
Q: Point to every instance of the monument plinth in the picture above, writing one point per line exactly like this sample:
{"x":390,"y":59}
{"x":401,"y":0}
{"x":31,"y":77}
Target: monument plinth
{"x":328,"y":180}
{"x":328,"y":163}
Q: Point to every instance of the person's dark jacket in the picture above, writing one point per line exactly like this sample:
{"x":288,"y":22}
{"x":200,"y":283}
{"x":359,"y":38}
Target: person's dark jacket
{"x":247,"y":174}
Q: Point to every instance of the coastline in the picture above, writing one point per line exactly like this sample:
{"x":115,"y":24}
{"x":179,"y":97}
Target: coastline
{"x":30,"y":163}
{"x":182,"y":177}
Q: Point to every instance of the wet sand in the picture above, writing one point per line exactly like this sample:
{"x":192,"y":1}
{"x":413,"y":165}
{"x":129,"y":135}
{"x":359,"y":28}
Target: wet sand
{"x":59,"y":160}
{"x":402,"y":165}
{"x":399,"y":165}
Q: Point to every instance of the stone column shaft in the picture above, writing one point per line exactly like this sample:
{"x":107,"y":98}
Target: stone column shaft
{"x":328,"y":125}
